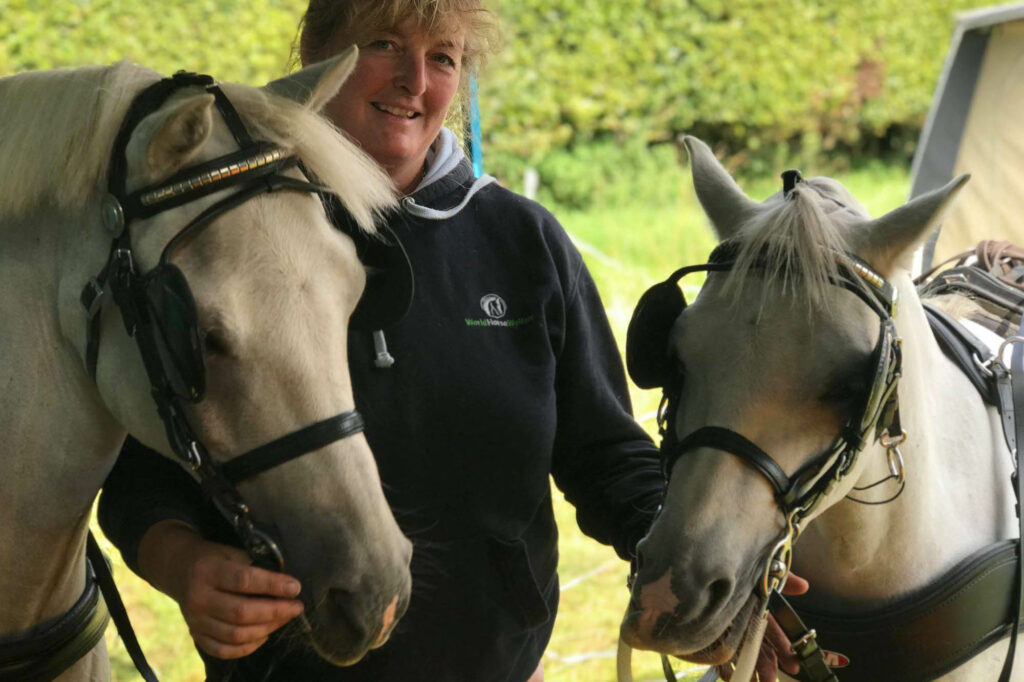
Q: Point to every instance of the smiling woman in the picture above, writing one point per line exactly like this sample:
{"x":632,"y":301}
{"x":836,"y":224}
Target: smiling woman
{"x":414,"y":55}
{"x":467,"y":421}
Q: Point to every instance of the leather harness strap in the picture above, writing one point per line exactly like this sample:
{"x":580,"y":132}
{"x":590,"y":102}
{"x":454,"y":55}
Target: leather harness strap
{"x":965,"y":348}
{"x":804,"y":641}
{"x":47,"y":650}
{"x":939,"y":627}
{"x":922,"y":635}
{"x":1017,"y":382}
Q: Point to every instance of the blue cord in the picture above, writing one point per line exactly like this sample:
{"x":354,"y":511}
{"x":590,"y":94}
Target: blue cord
{"x":474,"y":136}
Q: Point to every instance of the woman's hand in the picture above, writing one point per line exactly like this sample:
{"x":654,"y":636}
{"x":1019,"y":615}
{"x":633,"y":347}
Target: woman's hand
{"x":776,"y":651}
{"x":230,"y":606}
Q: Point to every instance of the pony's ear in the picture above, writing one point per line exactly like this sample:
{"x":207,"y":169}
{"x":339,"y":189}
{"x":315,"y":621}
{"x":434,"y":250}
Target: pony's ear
{"x":167,"y":139}
{"x":315,"y":85}
{"x":726,"y":205}
{"x":888,"y":241}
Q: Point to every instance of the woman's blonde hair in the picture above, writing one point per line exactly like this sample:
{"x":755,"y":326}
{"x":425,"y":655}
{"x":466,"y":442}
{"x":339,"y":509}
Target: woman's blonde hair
{"x":326,"y":20}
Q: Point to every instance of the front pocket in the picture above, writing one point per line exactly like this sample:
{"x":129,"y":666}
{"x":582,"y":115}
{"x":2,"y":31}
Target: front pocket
{"x":524,"y":596}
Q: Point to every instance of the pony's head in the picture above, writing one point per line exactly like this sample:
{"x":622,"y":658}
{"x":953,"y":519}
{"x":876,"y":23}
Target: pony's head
{"x":775,"y":350}
{"x":274,"y":284}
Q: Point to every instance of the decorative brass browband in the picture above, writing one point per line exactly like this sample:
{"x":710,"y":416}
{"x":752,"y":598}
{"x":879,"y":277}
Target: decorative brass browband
{"x":209,"y":177}
{"x":886,"y":293}
{"x":866,"y":273}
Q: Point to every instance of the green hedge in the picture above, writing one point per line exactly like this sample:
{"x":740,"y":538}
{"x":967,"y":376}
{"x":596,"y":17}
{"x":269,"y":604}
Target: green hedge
{"x":749,"y":74}
{"x":238,"y":40}
{"x":764,"y":80}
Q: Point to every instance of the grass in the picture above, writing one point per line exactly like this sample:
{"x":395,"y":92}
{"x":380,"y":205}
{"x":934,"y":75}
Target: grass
{"x":627,"y":249}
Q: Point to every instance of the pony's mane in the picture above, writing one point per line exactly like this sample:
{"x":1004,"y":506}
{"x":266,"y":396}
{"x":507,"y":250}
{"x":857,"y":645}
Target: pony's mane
{"x":57,"y":129}
{"x":336,"y":161}
{"x":791,"y":242}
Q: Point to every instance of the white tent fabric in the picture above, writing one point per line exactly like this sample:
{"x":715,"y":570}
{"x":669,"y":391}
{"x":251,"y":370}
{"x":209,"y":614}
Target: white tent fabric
{"x":974,"y":127}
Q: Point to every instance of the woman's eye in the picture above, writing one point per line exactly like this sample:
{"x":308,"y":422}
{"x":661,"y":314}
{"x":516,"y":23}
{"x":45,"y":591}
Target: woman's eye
{"x":444,"y":59}
{"x":380,"y":44}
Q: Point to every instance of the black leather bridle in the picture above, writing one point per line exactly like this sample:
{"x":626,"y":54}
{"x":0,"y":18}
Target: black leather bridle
{"x":255,"y":169}
{"x":799,"y":495}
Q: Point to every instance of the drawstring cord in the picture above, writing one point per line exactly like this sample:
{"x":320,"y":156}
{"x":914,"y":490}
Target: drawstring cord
{"x":410,"y":205}
{"x":382,"y":357}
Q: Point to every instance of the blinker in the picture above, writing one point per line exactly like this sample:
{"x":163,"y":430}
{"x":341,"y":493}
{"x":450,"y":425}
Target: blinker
{"x":172,"y":311}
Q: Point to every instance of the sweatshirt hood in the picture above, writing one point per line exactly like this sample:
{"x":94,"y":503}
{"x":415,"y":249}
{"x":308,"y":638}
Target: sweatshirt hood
{"x":448,"y":170}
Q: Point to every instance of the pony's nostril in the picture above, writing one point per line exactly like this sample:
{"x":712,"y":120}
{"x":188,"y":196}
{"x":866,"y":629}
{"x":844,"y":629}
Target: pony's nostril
{"x":719,"y":592}
{"x":344,"y":604}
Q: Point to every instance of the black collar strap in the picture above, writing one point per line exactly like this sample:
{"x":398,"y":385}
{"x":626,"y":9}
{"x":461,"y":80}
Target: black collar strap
{"x":45,"y":651}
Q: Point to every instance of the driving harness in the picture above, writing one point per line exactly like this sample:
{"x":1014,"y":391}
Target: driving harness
{"x":940,"y":626}
{"x":159,"y":312}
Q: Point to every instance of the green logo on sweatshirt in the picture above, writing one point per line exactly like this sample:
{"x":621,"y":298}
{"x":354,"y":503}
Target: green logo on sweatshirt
{"x":495,"y":308}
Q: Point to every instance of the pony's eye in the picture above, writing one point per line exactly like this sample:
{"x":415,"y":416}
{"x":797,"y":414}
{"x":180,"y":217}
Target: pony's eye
{"x":214,"y":343}
{"x":845,"y":393}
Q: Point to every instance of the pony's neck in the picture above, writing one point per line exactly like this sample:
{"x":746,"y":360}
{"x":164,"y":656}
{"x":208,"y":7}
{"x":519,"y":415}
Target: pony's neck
{"x":957,"y":495}
{"x":59,"y":441}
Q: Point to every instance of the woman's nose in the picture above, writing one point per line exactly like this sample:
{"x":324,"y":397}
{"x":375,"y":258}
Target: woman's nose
{"x":412,"y":74}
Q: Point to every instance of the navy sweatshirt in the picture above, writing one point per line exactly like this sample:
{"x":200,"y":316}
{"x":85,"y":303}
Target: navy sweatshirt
{"x":506,"y":371}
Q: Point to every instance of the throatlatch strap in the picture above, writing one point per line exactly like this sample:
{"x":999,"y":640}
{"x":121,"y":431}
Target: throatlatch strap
{"x":296,"y":444}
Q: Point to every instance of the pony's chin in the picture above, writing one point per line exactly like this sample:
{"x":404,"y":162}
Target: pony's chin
{"x":724,"y":649}
{"x":333,"y":654}
{"x":341,"y":651}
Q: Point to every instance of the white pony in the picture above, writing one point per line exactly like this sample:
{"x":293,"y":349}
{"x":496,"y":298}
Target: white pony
{"x":274,"y":284}
{"x":775,"y":351}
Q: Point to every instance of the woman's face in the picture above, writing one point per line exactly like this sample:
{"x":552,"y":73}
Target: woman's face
{"x":396,"y":100}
